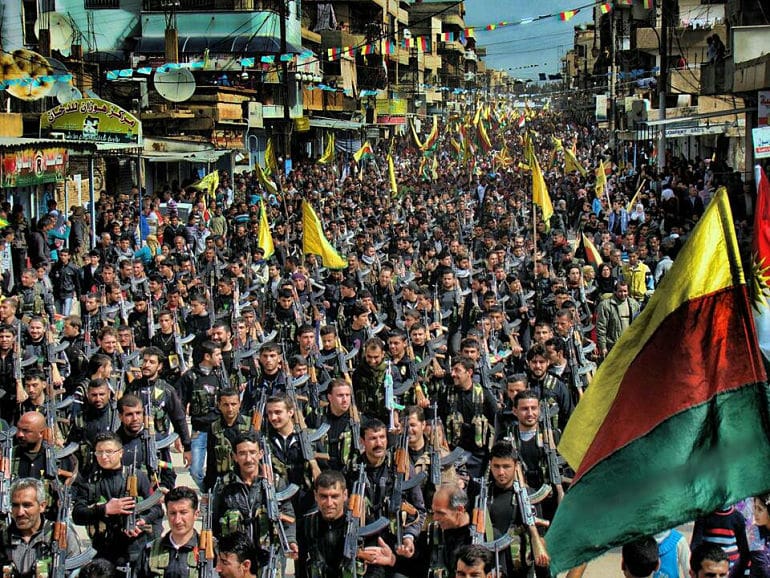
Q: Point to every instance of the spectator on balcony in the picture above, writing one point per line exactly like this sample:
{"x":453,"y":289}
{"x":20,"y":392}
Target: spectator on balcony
{"x":716,"y":48}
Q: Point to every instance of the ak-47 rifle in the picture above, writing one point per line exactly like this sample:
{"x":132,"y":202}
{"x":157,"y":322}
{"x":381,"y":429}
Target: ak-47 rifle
{"x":206,"y":539}
{"x":397,"y":506}
{"x":150,"y":319}
{"x":270,"y":570}
{"x":274,"y":499}
{"x":132,"y":491}
{"x":306,"y":438}
{"x":355,"y":521}
{"x":179,"y":345}
{"x":52,"y":434}
{"x":7,"y":448}
{"x":551,"y":456}
{"x":151,"y":447}
{"x":419,"y":392}
{"x":18,"y":374}
{"x":59,"y":538}
{"x":390,"y":399}
{"x":479,"y":517}
{"x":259,"y":411}
{"x":539,"y":553}
{"x":437,"y":443}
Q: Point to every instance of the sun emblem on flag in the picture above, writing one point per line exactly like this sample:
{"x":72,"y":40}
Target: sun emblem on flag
{"x":760,"y":275}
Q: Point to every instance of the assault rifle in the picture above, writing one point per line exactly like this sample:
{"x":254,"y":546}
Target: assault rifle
{"x":61,"y":564}
{"x":479,"y":517}
{"x":206,"y":539}
{"x":59,"y":541}
{"x":273,"y":499}
{"x":397,"y":506}
{"x":539,"y":552}
{"x":6,"y":443}
{"x":355,"y":518}
{"x":549,"y":446}
{"x":438,"y":442}
{"x":18,"y":364}
{"x":259,"y":411}
{"x":306,"y":439}
{"x":390,"y":399}
{"x":270,"y":570}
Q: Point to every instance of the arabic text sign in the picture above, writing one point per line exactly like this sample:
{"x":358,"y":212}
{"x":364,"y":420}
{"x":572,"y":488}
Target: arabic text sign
{"x":91,"y":119}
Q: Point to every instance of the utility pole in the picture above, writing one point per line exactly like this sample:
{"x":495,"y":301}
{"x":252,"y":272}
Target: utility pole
{"x":282,"y":15}
{"x":665,"y":17}
{"x":613,"y":81}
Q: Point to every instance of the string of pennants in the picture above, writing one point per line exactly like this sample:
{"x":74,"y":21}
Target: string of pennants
{"x":246,"y":62}
{"x":422,"y":43}
{"x":385,"y":46}
{"x":35,"y":81}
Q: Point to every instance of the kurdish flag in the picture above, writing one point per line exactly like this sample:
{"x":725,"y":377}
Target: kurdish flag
{"x":676,"y":419}
{"x":605,"y":8}
{"x":314,"y":241}
{"x":365,"y":152}
{"x":593,"y":256}
{"x":568,"y":15}
{"x":761,"y":261}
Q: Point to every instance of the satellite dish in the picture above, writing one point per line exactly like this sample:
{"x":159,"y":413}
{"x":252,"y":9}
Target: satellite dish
{"x":60,"y":30}
{"x":67,"y":93}
{"x":175,"y":85}
{"x":35,"y":73}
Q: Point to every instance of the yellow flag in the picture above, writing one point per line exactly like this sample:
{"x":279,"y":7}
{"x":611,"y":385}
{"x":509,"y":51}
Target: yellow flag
{"x":601,"y":180}
{"x":271,"y":164}
{"x":392,"y":175}
{"x":571,"y":163}
{"x":265,"y":238}
{"x":540,"y":194}
{"x":266,"y":182}
{"x":328,"y":155}
{"x":208,"y":183}
{"x":434,"y":168}
{"x":315,"y":242}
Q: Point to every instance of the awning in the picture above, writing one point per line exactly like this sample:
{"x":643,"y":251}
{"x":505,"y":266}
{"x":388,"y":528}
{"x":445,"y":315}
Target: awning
{"x":243,"y":45}
{"x":24,"y":142}
{"x":211,"y":156}
{"x":335,"y":123}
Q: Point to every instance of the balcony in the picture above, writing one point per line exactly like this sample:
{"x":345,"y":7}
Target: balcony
{"x":752,"y":75}
{"x":717,"y":77}
{"x":685,"y":80}
{"x":340,"y":39}
{"x":689,"y":39}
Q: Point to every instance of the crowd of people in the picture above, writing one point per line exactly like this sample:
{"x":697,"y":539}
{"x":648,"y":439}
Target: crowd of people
{"x":398,"y":417}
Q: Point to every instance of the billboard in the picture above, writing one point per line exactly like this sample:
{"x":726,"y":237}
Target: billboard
{"x":92,"y":119}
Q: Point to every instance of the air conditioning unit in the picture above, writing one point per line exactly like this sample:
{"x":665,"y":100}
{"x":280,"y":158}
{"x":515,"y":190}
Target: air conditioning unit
{"x":469,"y":76}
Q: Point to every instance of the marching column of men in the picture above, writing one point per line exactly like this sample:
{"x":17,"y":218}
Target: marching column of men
{"x":398,"y":418}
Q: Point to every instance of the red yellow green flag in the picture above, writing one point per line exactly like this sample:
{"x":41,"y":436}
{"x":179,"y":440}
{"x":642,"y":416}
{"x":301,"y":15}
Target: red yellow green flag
{"x":365,"y":152}
{"x":315,"y":242}
{"x":605,"y":8}
{"x":568,"y":15}
{"x":593,"y":256}
{"x":676,"y":418}
{"x":761,"y":261}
